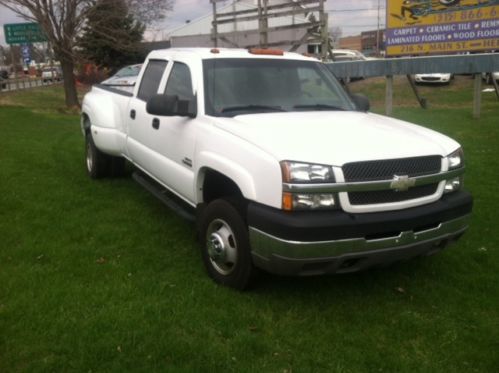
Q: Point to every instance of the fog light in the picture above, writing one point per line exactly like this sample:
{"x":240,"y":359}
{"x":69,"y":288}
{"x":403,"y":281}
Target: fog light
{"x":453,"y":185}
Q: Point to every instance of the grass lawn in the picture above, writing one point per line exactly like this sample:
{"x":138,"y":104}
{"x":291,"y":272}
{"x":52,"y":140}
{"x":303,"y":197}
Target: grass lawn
{"x":97,"y":276}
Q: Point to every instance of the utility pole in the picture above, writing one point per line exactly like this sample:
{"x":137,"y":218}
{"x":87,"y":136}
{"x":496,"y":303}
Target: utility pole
{"x":311,"y":24}
{"x":324,"y":31}
{"x":263,"y":23}
{"x":215,"y":24}
{"x":377,"y":33}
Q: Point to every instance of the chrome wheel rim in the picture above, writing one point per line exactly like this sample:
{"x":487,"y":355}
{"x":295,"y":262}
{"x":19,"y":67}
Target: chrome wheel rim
{"x":221,"y":245}
{"x":90,"y":159}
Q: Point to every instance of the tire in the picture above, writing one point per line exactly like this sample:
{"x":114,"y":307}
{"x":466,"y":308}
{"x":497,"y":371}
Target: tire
{"x":118,"y":166}
{"x":98,"y":164}
{"x":225,"y":245}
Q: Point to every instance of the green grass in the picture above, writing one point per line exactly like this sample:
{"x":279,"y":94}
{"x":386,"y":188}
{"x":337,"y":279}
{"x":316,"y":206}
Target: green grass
{"x":98,"y":276}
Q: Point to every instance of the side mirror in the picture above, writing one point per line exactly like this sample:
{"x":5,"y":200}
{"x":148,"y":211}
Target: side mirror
{"x":361,"y":102}
{"x":171,"y":106}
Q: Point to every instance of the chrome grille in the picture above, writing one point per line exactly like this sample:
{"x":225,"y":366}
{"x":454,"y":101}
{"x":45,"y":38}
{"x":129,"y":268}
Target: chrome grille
{"x":385,"y":169}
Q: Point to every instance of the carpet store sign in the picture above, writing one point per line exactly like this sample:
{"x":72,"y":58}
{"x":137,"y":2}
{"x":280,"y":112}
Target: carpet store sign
{"x":418,"y":27}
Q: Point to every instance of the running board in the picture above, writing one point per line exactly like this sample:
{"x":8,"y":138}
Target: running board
{"x":164,"y":195}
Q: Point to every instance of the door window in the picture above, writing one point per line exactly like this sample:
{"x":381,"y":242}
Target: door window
{"x":180,"y":82}
{"x":151,"y":79}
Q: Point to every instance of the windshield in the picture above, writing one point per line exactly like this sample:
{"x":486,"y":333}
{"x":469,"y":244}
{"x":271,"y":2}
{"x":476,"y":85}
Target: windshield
{"x":247,"y":86}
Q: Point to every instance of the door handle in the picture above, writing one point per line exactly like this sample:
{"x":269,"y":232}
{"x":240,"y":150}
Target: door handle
{"x":132,"y":114}
{"x":155,"y":123}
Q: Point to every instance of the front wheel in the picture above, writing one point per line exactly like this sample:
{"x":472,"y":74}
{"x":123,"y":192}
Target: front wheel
{"x":225,"y":245}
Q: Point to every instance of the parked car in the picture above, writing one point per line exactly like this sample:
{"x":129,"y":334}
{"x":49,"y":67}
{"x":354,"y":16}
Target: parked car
{"x":51,"y":74}
{"x":348,"y":55}
{"x":281,"y":169}
{"x":125,"y":78}
{"x":436,"y":78}
{"x":342,"y":55}
{"x":488,"y":77}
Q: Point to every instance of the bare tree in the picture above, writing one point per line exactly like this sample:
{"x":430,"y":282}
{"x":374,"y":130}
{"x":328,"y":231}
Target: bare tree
{"x":149,"y":12}
{"x":335,"y":33}
{"x":62,"y":22}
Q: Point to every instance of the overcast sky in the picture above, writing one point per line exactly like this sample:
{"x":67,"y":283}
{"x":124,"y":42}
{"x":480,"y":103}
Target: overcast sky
{"x":353,"y":16}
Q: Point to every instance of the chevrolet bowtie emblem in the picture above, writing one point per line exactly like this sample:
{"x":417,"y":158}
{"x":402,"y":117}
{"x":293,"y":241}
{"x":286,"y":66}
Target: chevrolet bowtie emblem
{"x":402,"y":183}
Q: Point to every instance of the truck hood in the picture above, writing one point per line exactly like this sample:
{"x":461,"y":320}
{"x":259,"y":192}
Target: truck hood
{"x":336,"y":138}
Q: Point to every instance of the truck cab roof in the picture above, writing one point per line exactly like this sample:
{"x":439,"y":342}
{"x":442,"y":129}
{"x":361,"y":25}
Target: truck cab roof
{"x":209,"y":53}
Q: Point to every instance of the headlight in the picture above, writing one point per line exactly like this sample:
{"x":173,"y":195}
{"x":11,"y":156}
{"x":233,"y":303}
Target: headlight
{"x":306,"y":173}
{"x":456,"y":159}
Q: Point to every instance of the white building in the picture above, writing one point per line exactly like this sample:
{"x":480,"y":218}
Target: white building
{"x":199,"y":32}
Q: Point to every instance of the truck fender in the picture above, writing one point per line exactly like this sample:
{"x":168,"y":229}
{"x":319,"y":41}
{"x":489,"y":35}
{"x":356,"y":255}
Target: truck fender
{"x":101,"y":110}
{"x":101,"y":114}
{"x":240,"y":176}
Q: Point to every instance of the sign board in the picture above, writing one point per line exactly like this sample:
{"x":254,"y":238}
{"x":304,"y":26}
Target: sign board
{"x":420,"y":27}
{"x":23,"y":33}
{"x":26,"y":53}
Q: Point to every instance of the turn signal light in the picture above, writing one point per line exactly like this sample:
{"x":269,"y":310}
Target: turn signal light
{"x":287,"y":201}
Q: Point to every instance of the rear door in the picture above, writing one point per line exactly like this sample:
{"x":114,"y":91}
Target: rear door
{"x":142,"y":139}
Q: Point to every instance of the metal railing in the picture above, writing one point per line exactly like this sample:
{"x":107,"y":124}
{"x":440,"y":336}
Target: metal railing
{"x":474,"y":64}
{"x":8,"y":85}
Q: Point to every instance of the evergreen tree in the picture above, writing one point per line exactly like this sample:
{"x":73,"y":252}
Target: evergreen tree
{"x":111,"y":37}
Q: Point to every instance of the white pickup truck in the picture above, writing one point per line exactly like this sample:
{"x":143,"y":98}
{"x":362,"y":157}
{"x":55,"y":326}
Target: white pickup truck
{"x":281,"y":169}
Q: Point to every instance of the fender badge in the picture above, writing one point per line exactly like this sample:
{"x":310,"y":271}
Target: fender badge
{"x":402,"y":183}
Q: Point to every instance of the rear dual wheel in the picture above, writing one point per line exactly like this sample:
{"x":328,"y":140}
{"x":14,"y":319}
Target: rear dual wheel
{"x":99,"y":164}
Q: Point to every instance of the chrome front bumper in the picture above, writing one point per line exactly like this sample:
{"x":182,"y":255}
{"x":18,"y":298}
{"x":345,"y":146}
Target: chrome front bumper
{"x":281,"y":256}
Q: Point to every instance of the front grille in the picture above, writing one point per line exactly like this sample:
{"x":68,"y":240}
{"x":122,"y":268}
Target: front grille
{"x":386,"y":169}
{"x":430,"y":79}
{"x":391,"y":196}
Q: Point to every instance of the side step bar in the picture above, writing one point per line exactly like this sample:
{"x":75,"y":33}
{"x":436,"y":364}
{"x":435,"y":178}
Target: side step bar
{"x":164,"y":195}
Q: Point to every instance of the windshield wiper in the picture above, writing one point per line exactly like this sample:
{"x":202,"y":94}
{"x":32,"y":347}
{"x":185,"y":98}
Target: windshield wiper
{"x":251,"y":108}
{"x":319,"y":107}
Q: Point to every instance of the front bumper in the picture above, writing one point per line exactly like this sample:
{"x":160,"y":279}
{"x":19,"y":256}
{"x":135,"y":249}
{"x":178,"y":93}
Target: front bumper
{"x":311,"y":243}
{"x":432,"y":80}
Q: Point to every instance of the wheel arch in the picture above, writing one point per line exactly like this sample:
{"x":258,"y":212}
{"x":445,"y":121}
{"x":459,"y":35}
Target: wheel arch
{"x":214,"y":182}
{"x":85,"y":123}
